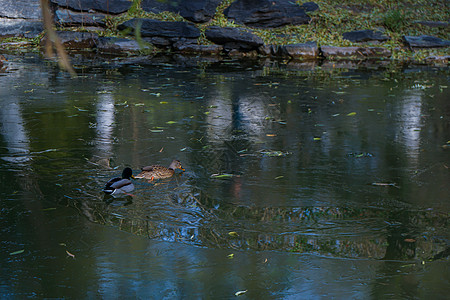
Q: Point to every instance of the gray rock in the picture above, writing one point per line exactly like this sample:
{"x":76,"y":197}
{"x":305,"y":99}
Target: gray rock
{"x":233,"y":38}
{"x":156,"y":28}
{"x":159,"y":41}
{"x":25,"y":9}
{"x":198,"y":11}
{"x":425,"y":41}
{"x":119,"y":45}
{"x":365,"y":36}
{"x":65,"y":17}
{"x":20,"y":18}
{"x":268,"y":50}
{"x":356,"y":52}
{"x":195,"y":48}
{"x":20,"y":27}
{"x":268,"y":13}
{"x":306,"y":50}
{"x":433,"y":23}
{"x":107,"y":6}
{"x":77,"y":40}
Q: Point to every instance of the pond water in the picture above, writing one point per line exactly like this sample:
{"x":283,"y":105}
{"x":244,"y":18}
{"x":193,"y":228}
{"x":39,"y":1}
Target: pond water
{"x":301,"y":181}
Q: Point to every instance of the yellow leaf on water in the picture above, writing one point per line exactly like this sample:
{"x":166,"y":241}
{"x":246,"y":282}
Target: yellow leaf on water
{"x":233,"y":233}
{"x":351,"y":114}
{"x":317,"y":138}
{"x":17,"y":252}
{"x":230,"y":255}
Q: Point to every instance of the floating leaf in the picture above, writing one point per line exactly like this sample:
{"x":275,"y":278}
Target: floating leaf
{"x":139,"y":104}
{"x":70,"y":254}
{"x":233,"y":233}
{"x":351,"y":114}
{"x":240,"y":293}
{"x":317,"y":139}
{"x":163,"y":102}
{"x":271,"y":134}
{"x":171,"y":122}
{"x":80,"y":109}
{"x":230,"y":255}
{"x":384,"y":184}
{"x":17,"y":252}
{"x":409,"y":240}
{"x":50,"y":208}
{"x":359,"y":155}
{"x":274,"y":153}
{"x":222,"y":176}
{"x":279,"y":177}
{"x":156,"y":130}
{"x":183,"y":149}
{"x":335,"y":115}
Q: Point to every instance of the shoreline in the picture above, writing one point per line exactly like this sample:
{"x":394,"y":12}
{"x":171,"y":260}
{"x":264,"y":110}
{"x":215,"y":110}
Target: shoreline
{"x":134,"y":30}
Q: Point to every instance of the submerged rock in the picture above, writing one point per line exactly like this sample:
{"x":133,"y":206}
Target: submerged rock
{"x":425,"y":41}
{"x":365,"y":36}
{"x":269,"y":13}
{"x":233,"y":38}
{"x":107,"y":6}
{"x":198,"y":11}
{"x":357,"y":52}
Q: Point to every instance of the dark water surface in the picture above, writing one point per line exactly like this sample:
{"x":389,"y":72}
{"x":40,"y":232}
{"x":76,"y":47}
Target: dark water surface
{"x":333,"y":182}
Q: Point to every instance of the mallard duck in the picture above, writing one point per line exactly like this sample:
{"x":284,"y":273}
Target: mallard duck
{"x":2,"y":59}
{"x":119,"y":185}
{"x":159,"y":172}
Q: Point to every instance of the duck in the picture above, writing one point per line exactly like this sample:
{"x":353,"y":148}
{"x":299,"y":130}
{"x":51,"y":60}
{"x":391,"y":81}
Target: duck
{"x":159,"y":172}
{"x":120,"y":185}
{"x":2,"y":59}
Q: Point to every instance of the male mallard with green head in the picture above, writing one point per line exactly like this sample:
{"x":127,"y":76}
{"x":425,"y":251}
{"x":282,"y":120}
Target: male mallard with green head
{"x":119,"y":185}
{"x":159,"y":172}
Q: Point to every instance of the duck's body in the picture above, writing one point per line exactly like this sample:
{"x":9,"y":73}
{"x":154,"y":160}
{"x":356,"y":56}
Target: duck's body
{"x":117,"y":186}
{"x":159,"y":172}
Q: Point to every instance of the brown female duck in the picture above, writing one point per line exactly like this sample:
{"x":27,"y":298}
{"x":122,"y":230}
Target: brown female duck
{"x":159,"y":172}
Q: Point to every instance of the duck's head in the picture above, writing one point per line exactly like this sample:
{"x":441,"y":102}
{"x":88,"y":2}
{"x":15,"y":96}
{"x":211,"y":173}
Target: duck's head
{"x":127,"y":173}
{"x":176,"y":164}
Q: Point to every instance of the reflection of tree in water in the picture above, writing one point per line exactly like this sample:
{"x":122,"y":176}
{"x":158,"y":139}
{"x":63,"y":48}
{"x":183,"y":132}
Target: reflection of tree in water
{"x":179,"y":213}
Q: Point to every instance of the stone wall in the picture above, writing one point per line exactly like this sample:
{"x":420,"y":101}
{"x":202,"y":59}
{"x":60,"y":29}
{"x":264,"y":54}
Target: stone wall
{"x":23,"y":18}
